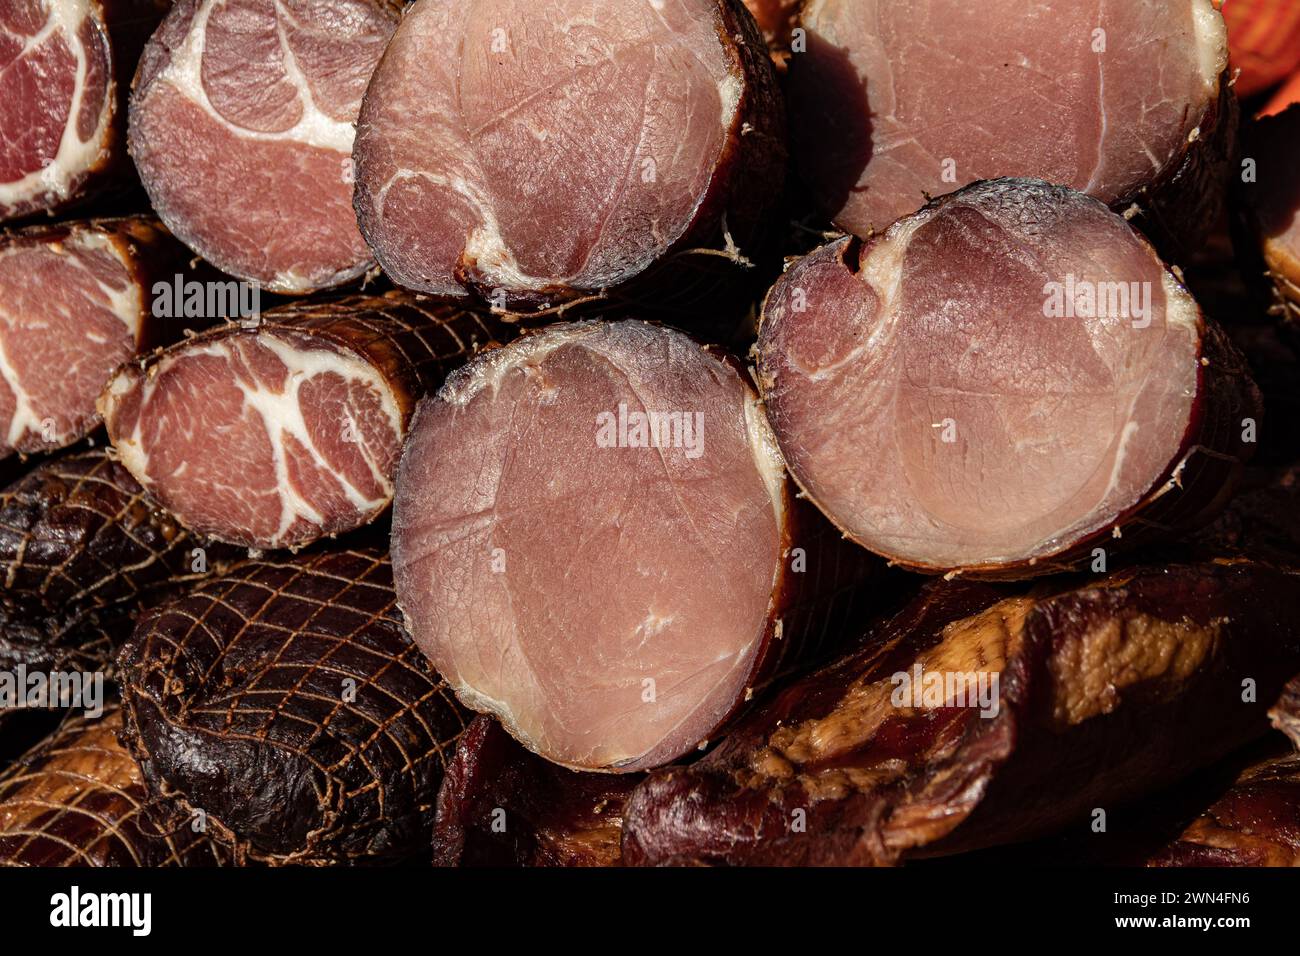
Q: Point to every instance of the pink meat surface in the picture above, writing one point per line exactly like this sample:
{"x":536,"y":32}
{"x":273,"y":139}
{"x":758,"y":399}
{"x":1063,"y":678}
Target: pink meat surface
{"x":71,"y":312}
{"x":897,"y":100}
{"x":534,"y":147}
{"x":607,"y":599}
{"x":56,"y":101}
{"x":242,"y":129}
{"x":932,"y":400}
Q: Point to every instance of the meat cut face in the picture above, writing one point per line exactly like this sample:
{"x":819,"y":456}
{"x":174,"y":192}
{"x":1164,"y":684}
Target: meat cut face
{"x":56,"y":101}
{"x":606,"y":597}
{"x":491,"y":154}
{"x":944,"y":394}
{"x":895,"y":101}
{"x":69,"y":301}
{"x":242,"y":127}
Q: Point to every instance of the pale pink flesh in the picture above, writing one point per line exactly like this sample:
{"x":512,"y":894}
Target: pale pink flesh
{"x":607,"y":603}
{"x":927,"y":403}
{"x":243,"y":138}
{"x":263,"y":440}
{"x":70,"y":314}
{"x":895,"y":100}
{"x":51,"y":52}
{"x":559,"y":143}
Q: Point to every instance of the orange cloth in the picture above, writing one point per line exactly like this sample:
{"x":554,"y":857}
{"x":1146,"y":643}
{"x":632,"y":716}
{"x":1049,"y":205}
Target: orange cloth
{"x":1264,"y":40}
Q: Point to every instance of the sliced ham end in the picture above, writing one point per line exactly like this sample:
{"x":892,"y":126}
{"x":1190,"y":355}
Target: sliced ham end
{"x":533,"y":154}
{"x":592,"y":538}
{"x":277,"y":435}
{"x":949,"y":397}
{"x":241,"y":126}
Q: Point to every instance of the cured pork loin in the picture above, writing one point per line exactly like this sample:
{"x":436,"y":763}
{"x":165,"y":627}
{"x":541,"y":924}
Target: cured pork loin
{"x":284,"y":706}
{"x":594,"y":540}
{"x":75,"y":303}
{"x":65,"y":68}
{"x":242,"y":126}
{"x":894,"y":102}
{"x":1270,"y":209}
{"x":907,"y":747}
{"x":503,"y":806}
{"x":82,"y":548}
{"x":276,"y":433}
{"x":1003,"y":383}
{"x":534,"y":154}
{"x":78,"y":799}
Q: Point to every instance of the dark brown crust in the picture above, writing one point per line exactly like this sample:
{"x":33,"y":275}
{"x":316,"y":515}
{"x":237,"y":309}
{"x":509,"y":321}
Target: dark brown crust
{"x":81,"y":550}
{"x":77,"y":799}
{"x":1070,"y":735}
{"x":286,"y":701}
{"x":502,"y":806}
{"x":411,"y":341}
{"x":127,"y":25}
{"x":1197,"y":484}
{"x":1272,"y":279}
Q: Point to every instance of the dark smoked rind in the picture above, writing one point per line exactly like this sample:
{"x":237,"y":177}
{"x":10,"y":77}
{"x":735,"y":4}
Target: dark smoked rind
{"x":1069,"y":735}
{"x":286,"y":701}
{"x":502,"y":806}
{"x":81,"y":550}
{"x":77,"y":799}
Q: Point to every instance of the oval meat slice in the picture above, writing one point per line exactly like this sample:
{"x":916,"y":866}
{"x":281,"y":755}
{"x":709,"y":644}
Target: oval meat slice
{"x":1001,"y":381}
{"x":594,"y":539}
{"x":895,"y":102}
{"x":65,"y":66}
{"x":75,"y":298}
{"x":276,"y":434}
{"x":1271,"y":208}
{"x":242,"y":126}
{"x":285,"y":701}
{"x":536,"y":153}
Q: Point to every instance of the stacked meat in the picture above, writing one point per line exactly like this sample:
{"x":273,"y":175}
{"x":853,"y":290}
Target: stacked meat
{"x":581,"y":496}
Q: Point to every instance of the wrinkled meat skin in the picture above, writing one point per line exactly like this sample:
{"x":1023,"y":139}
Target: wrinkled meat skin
{"x":78,"y":799}
{"x":82,"y":549}
{"x":186,"y":420}
{"x":542,"y":643}
{"x":243,"y":101}
{"x":602,"y":252}
{"x":1108,"y":692}
{"x":286,"y":701}
{"x":552,"y":816}
{"x":76,"y":297}
{"x":828,"y":311}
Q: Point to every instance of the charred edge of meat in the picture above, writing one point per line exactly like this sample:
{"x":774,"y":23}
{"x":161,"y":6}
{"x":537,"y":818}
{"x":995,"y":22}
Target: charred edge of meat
{"x":82,"y":548}
{"x":1106,"y":692}
{"x":78,"y":799}
{"x":286,"y":702}
{"x":1285,"y":714}
{"x":501,"y":805}
{"x":1189,"y":196}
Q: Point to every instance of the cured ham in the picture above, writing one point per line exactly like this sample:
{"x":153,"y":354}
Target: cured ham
{"x":594,"y":540}
{"x":242,"y":121}
{"x":275,"y":433}
{"x":1003,"y":383}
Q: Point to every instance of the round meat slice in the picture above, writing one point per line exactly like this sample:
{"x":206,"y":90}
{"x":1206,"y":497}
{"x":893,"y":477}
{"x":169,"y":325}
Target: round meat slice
{"x":897,"y":101}
{"x":536,"y":153}
{"x":276,"y":434}
{"x":594,"y":539}
{"x":1000,"y":382}
{"x":1271,"y":207}
{"x":242,"y":121}
{"x":65,"y":66}
{"x":75,"y":303}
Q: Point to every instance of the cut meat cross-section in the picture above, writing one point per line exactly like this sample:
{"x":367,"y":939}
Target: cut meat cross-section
{"x":276,"y":434}
{"x":1001,"y":383}
{"x":242,"y":127}
{"x":594,"y":539}
{"x":537,"y":153}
